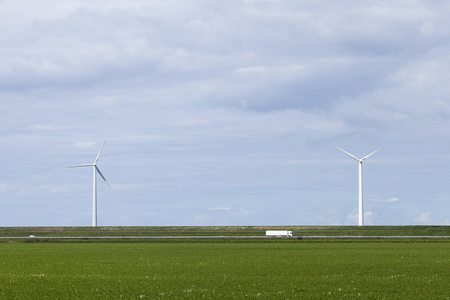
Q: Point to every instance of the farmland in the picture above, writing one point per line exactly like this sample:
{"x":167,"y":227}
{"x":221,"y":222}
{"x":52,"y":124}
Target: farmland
{"x":374,"y":270}
{"x":63,"y":262}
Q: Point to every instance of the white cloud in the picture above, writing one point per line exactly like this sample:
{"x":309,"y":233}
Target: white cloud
{"x":393,"y":199}
{"x":200,"y":218}
{"x":352,"y":218}
{"x":424,"y":218}
{"x":219,"y":208}
{"x":228,"y":100}
{"x":370,"y":217}
{"x":244,"y":212}
{"x":389,"y":200}
{"x":85,"y":144}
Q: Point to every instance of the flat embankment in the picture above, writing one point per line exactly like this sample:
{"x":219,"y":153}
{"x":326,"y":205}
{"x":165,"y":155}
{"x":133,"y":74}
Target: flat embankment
{"x":224,"y":231}
{"x":412,"y":270}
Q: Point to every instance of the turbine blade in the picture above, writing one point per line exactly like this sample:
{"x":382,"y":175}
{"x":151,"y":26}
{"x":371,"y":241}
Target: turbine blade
{"x":83,"y":165}
{"x":98,"y":170}
{"x":98,"y":155}
{"x":351,"y":155}
{"x":367,"y":156}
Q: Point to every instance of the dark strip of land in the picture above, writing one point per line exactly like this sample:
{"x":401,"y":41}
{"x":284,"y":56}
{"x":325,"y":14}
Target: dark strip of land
{"x":306,"y":232}
{"x":233,"y":237}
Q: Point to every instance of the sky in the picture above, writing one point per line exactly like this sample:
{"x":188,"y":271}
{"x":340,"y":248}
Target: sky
{"x":221,"y":113}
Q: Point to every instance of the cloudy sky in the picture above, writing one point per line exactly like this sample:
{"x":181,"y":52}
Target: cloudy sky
{"x":224,"y":112}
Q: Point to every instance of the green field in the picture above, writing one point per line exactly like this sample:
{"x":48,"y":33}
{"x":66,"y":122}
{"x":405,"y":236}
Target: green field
{"x":374,"y":270}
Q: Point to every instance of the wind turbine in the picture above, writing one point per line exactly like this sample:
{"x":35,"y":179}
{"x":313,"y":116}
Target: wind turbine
{"x":96,"y":169}
{"x":361,"y":216}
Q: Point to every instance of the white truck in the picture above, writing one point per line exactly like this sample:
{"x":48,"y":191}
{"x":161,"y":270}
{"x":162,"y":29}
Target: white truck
{"x":278,"y":233}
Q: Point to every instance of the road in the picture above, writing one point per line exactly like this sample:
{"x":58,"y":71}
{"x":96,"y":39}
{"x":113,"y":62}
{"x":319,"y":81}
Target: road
{"x":232,"y":237}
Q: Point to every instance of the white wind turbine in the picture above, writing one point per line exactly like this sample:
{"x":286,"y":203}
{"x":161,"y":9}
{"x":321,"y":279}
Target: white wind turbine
{"x":361,"y":213}
{"x":96,"y":169}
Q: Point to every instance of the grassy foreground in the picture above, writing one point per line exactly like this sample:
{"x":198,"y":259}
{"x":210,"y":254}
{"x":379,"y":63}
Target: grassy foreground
{"x":225,"y":270}
{"x":225,"y":231}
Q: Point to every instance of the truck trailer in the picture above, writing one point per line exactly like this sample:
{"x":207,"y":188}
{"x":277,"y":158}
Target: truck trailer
{"x":279,"y":233}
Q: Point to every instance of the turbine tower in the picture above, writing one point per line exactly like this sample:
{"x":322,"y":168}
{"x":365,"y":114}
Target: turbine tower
{"x":94,"y":196}
{"x":360,"y":161}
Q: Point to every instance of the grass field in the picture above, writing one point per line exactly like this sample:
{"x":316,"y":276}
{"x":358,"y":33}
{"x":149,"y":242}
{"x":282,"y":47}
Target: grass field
{"x":375,"y":270}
